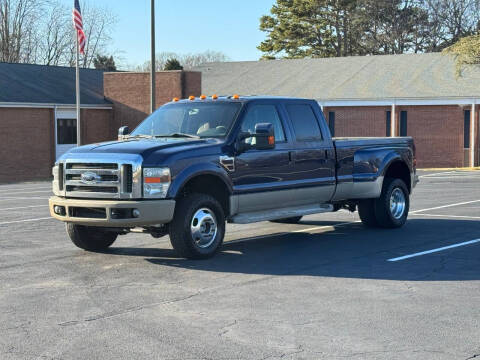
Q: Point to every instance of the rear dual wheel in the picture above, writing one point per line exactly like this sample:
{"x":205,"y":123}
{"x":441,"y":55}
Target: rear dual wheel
{"x":390,"y":210}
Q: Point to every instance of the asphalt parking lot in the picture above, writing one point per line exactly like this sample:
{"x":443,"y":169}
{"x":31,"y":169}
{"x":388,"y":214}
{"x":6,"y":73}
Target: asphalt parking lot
{"x":327,"y":288}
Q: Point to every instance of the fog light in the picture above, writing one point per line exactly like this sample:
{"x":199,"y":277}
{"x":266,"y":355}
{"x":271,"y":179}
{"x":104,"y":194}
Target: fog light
{"x":136,"y":213}
{"x":59,"y":210}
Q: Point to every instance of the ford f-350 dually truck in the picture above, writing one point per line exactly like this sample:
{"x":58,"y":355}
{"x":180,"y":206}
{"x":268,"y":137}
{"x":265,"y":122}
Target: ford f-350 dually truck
{"x":195,"y":164}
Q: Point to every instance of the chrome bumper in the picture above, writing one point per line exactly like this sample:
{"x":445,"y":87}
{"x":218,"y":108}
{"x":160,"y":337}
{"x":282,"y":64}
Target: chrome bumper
{"x":112,"y":213}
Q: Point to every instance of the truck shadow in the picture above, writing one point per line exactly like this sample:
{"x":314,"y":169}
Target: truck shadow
{"x":350,"y":251}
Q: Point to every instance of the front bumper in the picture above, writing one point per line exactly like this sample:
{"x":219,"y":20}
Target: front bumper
{"x":107,"y":212}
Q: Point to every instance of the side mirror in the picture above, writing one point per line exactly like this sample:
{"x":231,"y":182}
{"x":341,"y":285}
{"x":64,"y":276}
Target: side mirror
{"x":122,"y":132}
{"x":265,"y":136}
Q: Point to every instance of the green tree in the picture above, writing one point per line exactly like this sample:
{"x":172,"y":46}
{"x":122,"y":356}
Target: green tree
{"x":466,"y":52}
{"x":324,"y":28}
{"x":104,"y":63}
{"x":173,"y":64}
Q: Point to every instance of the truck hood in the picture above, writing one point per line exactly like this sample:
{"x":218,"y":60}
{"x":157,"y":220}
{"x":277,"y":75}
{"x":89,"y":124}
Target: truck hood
{"x":143,"y":147}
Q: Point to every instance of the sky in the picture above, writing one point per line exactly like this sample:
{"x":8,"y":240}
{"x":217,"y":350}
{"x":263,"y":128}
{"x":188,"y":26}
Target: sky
{"x":186,"y":26}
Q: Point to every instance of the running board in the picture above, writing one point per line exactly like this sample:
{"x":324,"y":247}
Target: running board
{"x":266,"y":215}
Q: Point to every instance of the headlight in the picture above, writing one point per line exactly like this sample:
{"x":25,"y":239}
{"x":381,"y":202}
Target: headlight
{"x":156,"y":182}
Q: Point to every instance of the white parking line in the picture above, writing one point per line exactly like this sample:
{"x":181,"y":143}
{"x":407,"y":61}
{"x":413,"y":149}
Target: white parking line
{"x":434,"y":250}
{"x":23,"y":198}
{"x":449,"y":216}
{"x":26,"y":220}
{"x":32,"y":189}
{"x":23,"y":207}
{"x":29,"y":192}
{"x":428,"y":175}
{"x":445,"y":206}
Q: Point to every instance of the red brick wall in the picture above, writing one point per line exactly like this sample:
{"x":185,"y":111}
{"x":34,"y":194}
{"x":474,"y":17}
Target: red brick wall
{"x":130,"y":93}
{"x":437,"y":130}
{"x":438,"y":134}
{"x":26,"y":144}
{"x":96,"y":125}
{"x":359,"y":121}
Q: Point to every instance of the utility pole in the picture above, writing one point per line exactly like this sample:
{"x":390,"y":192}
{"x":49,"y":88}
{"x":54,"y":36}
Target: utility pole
{"x":152,"y":60}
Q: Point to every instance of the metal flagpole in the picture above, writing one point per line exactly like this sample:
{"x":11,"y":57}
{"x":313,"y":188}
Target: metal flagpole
{"x":152,"y":60}
{"x":77,"y":79}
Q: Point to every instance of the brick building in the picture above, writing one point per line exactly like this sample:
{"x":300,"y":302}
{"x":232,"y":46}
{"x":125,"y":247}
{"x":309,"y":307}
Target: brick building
{"x":38,"y":117}
{"x":418,"y":95}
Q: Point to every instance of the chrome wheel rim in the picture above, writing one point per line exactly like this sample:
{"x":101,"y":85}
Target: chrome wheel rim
{"x":203,"y":227}
{"x":397,"y":203}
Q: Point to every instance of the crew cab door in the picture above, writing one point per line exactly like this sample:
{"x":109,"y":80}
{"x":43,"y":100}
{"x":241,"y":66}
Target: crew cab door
{"x":314,"y":164}
{"x":262,"y":177}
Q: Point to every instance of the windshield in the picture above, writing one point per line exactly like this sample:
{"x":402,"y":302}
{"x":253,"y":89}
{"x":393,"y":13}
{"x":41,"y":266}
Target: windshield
{"x":190,"y":120}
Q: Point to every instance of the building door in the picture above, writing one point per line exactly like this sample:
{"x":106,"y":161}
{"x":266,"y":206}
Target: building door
{"x":65,"y":131}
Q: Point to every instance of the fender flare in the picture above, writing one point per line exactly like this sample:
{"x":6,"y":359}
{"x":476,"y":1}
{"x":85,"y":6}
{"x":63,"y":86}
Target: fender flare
{"x":199,"y":169}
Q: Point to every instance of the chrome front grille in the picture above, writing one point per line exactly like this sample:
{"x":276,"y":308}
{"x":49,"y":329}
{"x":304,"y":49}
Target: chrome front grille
{"x":100,"y":177}
{"x":92,"y":179}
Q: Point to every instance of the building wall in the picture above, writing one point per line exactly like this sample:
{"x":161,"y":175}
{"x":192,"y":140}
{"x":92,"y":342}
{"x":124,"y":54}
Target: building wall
{"x":26,"y":139}
{"x":438,"y":134}
{"x":437,"y":130}
{"x":359,"y":121}
{"x":130,"y":93}
{"x":96,"y":125}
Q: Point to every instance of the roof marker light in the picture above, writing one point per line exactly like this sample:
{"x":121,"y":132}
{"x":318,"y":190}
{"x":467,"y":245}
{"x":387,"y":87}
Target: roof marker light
{"x":214,"y":96}
{"x":191,"y":97}
{"x":175,"y":99}
{"x":203,"y":97}
{"x":236,"y":96}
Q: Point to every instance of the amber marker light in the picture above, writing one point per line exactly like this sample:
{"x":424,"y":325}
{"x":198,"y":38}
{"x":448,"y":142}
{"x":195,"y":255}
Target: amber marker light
{"x":271,"y":140}
{"x":191,"y":97}
{"x":214,"y":96}
{"x":236,"y":96}
{"x":175,"y":99}
{"x":203,"y":97}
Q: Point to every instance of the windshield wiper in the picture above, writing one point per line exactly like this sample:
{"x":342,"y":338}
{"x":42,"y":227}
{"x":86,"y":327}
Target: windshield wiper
{"x":179,"y":134}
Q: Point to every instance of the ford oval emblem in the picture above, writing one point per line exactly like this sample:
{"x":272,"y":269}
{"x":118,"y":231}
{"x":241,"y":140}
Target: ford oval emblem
{"x":90,"y":178}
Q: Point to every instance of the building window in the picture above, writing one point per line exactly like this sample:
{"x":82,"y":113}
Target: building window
{"x":403,"y":123}
{"x":66,"y":131}
{"x":388,"y":124}
{"x":466,"y":129}
{"x":331,"y":122}
{"x":304,"y":122}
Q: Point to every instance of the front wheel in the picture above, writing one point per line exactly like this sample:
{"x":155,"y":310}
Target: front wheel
{"x":90,"y":238}
{"x":198,"y":226}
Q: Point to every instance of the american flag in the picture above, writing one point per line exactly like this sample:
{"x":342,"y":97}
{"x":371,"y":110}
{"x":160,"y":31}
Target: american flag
{"x":78,"y":25}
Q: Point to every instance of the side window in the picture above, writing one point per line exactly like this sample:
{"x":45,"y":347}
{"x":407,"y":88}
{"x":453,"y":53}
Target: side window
{"x":263,"y":114}
{"x":304,"y":122}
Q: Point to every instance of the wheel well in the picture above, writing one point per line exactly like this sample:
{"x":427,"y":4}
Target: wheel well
{"x":211,"y":185}
{"x":399,"y":170}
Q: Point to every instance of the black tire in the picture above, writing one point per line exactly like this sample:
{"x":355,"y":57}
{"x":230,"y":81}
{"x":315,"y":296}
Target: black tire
{"x":366,"y":211}
{"x":180,"y":228}
{"x":90,"y":238}
{"x":290,"y":220}
{"x":377,"y":212}
{"x":384,"y":215}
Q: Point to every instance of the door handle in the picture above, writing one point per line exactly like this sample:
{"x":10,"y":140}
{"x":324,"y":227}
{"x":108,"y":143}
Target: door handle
{"x":290,"y":156}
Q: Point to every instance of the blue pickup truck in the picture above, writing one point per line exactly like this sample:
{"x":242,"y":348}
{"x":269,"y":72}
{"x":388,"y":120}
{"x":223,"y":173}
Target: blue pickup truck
{"x":195,"y":164}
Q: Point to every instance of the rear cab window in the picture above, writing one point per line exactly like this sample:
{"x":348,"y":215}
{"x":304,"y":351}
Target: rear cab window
{"x":304,"y":122}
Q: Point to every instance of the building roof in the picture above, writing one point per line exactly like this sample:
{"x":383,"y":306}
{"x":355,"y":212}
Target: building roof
{"x":381,"y":77}
{"x":39,"y":84}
